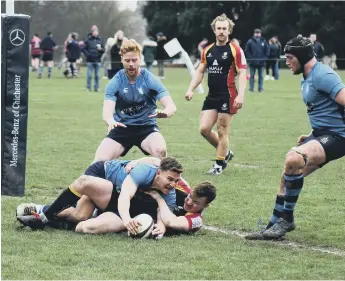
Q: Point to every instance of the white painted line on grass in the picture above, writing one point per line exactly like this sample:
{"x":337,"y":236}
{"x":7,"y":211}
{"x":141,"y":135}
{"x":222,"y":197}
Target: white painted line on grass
{"x":332,"y":251}
{"x":246,"y":166}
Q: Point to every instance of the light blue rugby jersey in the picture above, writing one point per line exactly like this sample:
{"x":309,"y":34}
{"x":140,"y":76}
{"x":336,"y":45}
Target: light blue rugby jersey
{"x":319,"y":90}
{"x":142,"y":174}
{"x":135,"y":102}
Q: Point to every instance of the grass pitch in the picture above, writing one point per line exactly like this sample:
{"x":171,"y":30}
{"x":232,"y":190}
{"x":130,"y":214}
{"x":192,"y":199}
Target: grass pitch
{"x":65,"y":128}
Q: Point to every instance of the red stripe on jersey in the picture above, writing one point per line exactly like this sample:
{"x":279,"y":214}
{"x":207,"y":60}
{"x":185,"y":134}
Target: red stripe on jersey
{"x":239,"y":58}
{"x":204,"y":53}
{"x":232,"y":88}
{"x":194,"y":221}
{"x":183,"y":185}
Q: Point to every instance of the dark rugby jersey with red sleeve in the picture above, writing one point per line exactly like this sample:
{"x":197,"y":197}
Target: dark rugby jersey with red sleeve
{"x":194,"y":219}
{"x":223,"y":64}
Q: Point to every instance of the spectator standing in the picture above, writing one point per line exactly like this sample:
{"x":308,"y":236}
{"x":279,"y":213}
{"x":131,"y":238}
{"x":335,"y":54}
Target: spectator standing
{"x":149,"y":52}
{"x":116,"y":64}
{"x":93,"y":50}
{"x":161,"y":54}
{"x":257,"y":51}
{"x":272,"y":61}
{"x":318,"y":47}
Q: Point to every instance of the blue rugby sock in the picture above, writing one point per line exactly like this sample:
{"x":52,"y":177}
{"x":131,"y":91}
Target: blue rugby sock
{"x":293,"y":186}
{"x":278,"y":210}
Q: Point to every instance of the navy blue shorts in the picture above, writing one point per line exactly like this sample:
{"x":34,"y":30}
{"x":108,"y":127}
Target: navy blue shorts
{"x":132,"y":136}
{"x":332,"y":143}
{"x":96,"y":170}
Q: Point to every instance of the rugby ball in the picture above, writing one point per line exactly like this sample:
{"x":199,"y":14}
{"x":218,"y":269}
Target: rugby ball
{"x":145,"y":228}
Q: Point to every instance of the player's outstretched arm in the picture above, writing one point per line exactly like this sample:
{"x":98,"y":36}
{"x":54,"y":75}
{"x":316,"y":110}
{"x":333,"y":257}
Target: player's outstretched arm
{"x":169,"y":107}
{"x":108,"y":110}
{"x":159,"y":229}
{"x":128,"y":190}
{"x":196,"y":80}
{"x":169,"y":218}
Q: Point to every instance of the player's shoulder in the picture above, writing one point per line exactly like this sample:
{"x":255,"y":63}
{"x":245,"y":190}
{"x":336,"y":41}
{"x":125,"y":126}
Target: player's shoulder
{"x":120,"y":75}
{"x":209,"y":47}
{"x":234,"y":45}
{"x":321,"y":70}
{"x":147,"y":76}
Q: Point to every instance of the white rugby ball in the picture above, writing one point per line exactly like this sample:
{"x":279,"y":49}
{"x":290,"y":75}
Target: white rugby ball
{"x":146,"y":226}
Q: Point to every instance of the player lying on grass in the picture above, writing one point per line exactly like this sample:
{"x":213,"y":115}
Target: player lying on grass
{"x":111,"y":189}
{"x":186,"y":216}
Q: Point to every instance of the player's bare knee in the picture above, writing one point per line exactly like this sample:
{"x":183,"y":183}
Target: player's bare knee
{"x":161,"y":152}
{"x":81,"y":183}
{"x":84,"y":227}
{"x":80,"y":227}
{"x":293,"y":161}
{"x":204,"y":131}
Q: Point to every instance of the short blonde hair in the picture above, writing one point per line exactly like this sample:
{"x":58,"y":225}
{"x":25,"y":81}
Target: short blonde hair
{"x":130,"y":46}
{"x":223,"y":17}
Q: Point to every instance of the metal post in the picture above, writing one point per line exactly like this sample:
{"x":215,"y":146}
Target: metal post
{"x":10,"y":7}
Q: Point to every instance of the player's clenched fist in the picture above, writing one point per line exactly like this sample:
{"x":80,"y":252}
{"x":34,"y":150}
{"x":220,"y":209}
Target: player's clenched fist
{"x":188,"y":96}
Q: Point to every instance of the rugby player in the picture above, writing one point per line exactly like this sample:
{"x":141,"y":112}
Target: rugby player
{"x":323,"y":93}
{"x":130,"y":109}
{"x":224,"y":60}
{"x":110,"y":188}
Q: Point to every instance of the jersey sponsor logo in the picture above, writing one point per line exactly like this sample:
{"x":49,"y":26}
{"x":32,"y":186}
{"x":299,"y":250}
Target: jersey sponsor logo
{"x":225,"y":56}
{"x":125,"y":90}
{"x":196,"y":222}
{"x":140,"y":90}
{"x":215,"y":62}
{"x":215,"y":70}
{"x":324,"y":140}
{"x":133,"y":110}
{"x":224,"y":106}
{"x":209,"y":55}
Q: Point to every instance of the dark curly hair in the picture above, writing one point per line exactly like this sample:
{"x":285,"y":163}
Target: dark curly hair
{"x":205,"y":189}
{"x":170,"y":164}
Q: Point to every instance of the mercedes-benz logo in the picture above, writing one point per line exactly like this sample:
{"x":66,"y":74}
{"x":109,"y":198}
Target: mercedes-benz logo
{"x":17,"y":37}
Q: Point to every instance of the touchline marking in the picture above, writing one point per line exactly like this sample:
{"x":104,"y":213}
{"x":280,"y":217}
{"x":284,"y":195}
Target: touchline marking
{"x":246,"y":166}
{"x":332,"y":251}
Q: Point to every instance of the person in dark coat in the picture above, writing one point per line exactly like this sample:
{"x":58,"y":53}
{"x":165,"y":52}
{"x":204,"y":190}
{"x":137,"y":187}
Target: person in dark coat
{"x":161,"y":54}
{"x":257,"y":51}
{"x":93,"y":50}
{"x":73,"y":54}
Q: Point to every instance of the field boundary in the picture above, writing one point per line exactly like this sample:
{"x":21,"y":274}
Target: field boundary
{"x":285,"y":243}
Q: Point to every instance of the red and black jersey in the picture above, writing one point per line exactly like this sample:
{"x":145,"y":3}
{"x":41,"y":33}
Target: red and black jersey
{"x":194,"y":219}
{"x":223,"y":64}
{"x":35,"y":46}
